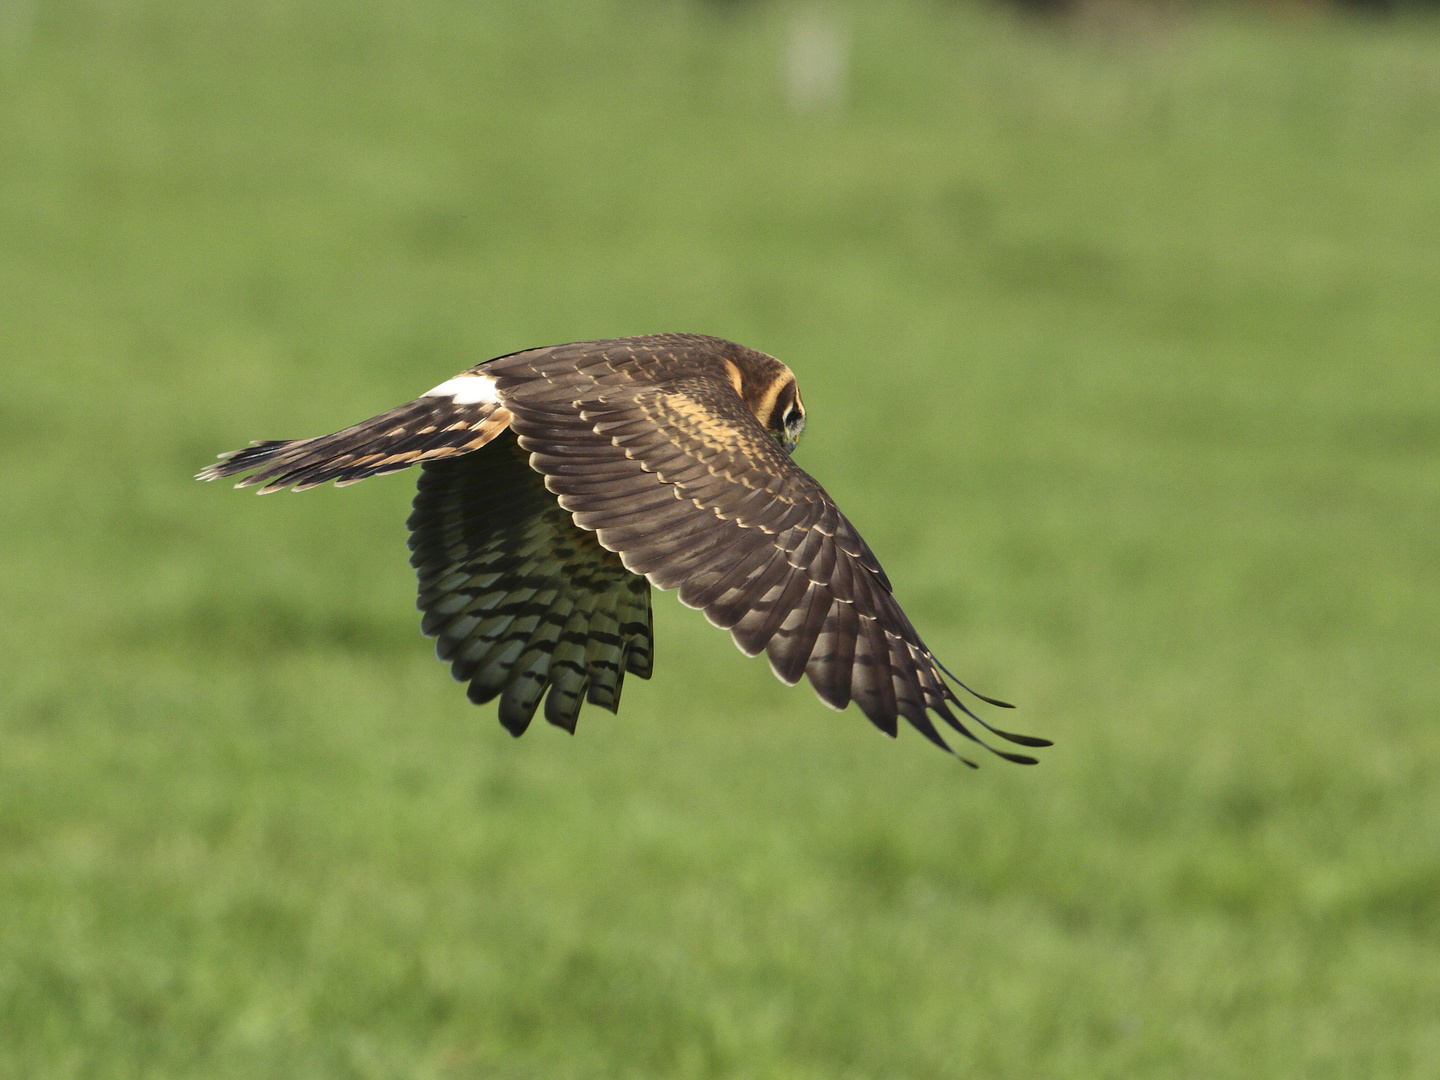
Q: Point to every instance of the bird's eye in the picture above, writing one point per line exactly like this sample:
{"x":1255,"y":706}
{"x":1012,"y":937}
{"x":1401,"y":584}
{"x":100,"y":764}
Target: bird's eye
{"x":793,"y":417}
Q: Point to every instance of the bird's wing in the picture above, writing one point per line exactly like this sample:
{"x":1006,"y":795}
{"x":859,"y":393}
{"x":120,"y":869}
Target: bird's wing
{"x":521,"y":599}
{"x":656,"y":452}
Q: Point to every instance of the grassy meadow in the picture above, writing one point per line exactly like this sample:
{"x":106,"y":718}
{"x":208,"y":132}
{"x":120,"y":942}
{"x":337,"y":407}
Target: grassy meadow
{"x":1121,"y":344}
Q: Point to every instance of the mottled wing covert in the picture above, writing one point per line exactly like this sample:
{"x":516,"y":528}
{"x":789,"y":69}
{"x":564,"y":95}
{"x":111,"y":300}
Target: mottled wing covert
{"x":653,"y":448}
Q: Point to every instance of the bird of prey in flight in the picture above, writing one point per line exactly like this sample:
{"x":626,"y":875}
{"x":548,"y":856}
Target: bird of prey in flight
{"x":559,"y":484}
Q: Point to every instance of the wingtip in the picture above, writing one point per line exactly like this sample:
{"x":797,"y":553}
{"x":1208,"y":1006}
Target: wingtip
{"x":973,"y":693}
{"x":1024,"y":740}
{"x":989,"y":700}
{"x":1018,"y":759}
{"x":1033,"y":741}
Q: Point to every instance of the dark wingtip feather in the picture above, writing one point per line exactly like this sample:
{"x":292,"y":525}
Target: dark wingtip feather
{"x":921,"y":723}
{"x":1018,"y":759}
{"x":516,"y":725}
{"x":1023,"y":740}
{"x":974,"y":693}
{"x":1009,"y":736}
{"x":988,"y":700}
{"x":564,"y":719}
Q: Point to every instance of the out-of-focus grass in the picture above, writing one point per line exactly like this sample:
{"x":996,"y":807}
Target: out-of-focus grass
{"x":1121,"y":350}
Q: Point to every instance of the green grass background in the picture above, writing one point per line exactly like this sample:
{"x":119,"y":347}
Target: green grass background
{"x":1121,"y":344}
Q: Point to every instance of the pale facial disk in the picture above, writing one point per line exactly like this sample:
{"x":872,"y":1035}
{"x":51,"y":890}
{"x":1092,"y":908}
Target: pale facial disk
{"x":467,"y":390}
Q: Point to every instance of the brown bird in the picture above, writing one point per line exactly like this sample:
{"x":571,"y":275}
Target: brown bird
{"x":659,"y":460}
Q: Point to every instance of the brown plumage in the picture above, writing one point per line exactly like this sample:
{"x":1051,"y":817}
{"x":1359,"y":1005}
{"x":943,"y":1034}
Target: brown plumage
{"x":658,"y":460}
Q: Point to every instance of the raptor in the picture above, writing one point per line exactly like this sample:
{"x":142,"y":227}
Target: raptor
{"x":559,"y":484}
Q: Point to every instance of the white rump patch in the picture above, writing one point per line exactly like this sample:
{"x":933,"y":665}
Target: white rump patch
{"x":467,"y":390}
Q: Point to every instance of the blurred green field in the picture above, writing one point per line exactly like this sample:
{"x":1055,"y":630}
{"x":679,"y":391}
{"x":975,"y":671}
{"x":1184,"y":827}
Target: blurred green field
{"x":1121,"y":345}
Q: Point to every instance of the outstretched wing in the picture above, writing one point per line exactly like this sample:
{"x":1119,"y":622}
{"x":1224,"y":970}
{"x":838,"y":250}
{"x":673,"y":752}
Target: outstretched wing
{"x":651,"y":446}
{"x":521,"y":600}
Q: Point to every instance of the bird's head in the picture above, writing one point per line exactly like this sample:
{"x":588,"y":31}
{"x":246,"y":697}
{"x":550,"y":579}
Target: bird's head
{"x":770,"y":389}
{"x":787,"y":418}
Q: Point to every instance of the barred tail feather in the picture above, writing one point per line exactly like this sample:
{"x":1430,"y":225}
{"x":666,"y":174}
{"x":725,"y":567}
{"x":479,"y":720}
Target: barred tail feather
{"x":427,"y":429}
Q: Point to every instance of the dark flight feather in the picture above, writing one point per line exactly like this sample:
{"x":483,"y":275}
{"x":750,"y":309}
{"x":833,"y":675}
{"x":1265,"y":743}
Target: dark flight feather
{"x":521,"y":599}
